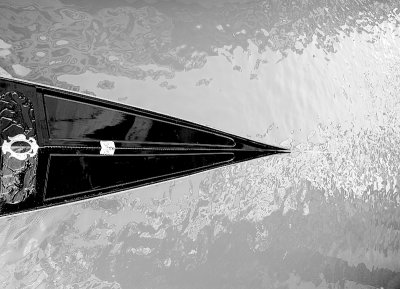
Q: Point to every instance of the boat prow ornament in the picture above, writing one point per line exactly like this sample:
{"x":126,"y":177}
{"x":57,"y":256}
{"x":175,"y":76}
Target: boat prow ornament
{"x":20,"y":147}
{"x":59,"y":147}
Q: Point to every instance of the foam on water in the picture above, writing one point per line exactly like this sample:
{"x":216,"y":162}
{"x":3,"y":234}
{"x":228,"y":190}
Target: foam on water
{"x":321,"y":79}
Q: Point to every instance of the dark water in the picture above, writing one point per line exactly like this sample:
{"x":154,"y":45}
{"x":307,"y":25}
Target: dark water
{"x":321,"y":78}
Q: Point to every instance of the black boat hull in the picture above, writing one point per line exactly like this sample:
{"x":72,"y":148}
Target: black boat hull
{"x":60,"y":147}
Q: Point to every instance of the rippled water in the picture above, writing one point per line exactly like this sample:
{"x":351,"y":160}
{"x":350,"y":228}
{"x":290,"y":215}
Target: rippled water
{"x":321,"y":78}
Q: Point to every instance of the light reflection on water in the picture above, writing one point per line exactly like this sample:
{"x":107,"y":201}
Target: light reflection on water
{"x":320,"y":79}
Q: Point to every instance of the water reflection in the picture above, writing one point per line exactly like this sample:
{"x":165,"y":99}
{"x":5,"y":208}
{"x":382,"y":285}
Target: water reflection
{"x":156,"y":54}
{"x":178,"y":36}
{"x":325,"y":75}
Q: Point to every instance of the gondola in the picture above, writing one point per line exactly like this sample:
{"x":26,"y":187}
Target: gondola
{"x":59,"y":147}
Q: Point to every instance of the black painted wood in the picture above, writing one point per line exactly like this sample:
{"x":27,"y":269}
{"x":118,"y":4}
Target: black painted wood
{"x":68,"y":127}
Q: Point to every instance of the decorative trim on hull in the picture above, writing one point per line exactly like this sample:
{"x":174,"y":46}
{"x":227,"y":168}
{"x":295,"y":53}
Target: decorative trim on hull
{"x":18,"y":161}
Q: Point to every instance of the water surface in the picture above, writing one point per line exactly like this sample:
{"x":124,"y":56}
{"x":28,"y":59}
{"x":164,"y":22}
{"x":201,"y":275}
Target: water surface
{"x":319,"y":78}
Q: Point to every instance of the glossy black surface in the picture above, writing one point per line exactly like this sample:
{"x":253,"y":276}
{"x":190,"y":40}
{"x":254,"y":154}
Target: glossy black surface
{"x":93,"y":174}
{"x":149,"y":147}
{"x":72,"y":120}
